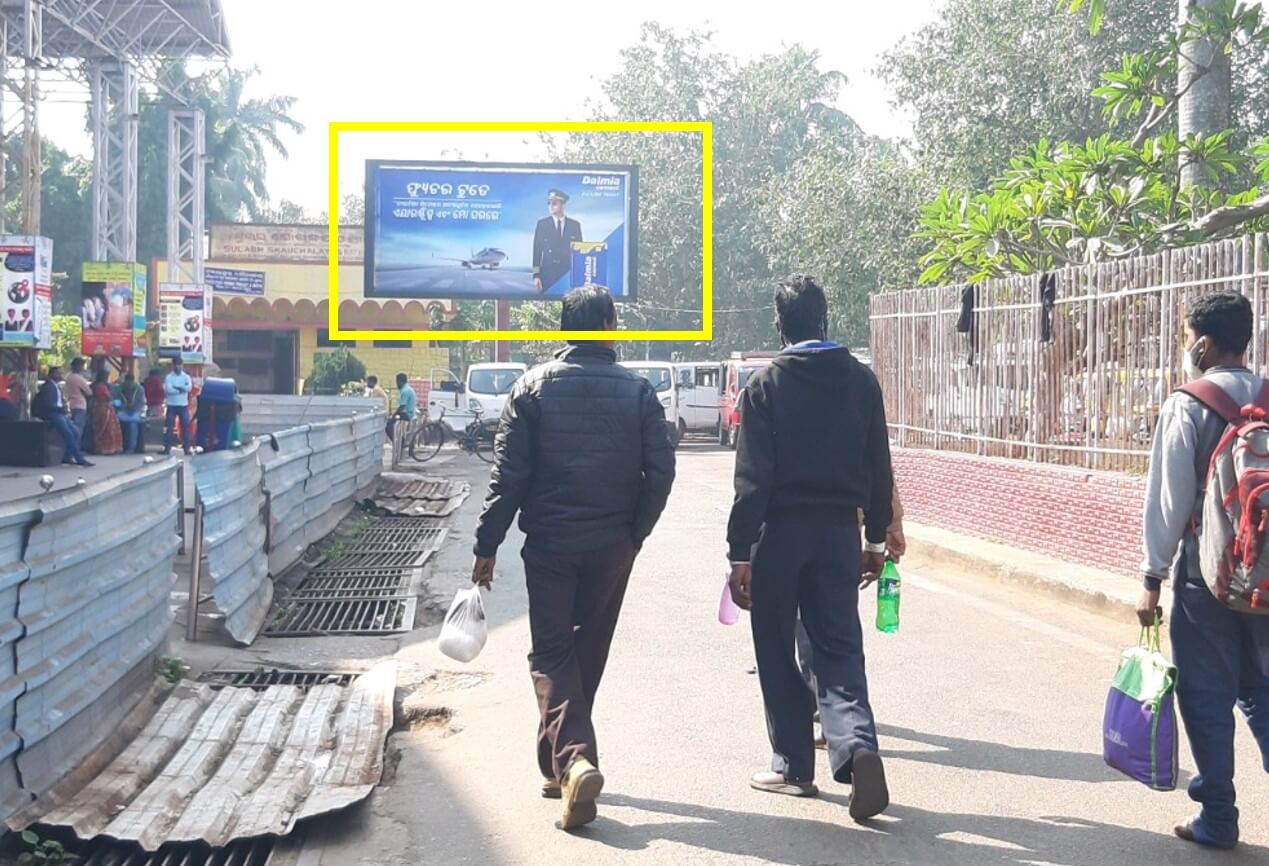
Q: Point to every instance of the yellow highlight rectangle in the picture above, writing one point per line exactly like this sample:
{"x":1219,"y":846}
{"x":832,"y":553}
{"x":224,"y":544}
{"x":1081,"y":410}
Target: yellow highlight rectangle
{"x":704,"y":128}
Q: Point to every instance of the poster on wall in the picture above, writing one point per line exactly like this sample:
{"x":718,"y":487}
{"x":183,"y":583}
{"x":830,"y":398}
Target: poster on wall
{"x":113,"y":308}
{"x":184,"y":329}
{"x":499,"y":230}
{"x":26,"y":291}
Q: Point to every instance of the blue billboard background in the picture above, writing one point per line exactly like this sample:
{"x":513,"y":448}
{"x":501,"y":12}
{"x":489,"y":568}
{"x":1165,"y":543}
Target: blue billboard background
{"x":463,"y":230}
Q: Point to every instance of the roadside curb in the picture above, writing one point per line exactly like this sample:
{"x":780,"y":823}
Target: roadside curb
{"x":1103,"y":592}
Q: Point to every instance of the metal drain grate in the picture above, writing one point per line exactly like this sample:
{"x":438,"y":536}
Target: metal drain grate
{"x":346,"y":583}
{"x":261,"y":679}
{"x":344,"y":616}
{"x":249,"y":852}
{"x":379,"y":559}
{"x":394,"y":538}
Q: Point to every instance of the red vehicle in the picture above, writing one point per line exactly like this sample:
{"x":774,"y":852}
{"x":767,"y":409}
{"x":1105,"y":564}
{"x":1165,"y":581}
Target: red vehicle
{"x":733,"y":375}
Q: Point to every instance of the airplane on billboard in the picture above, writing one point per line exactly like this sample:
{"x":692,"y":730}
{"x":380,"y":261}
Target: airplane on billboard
{"x":489,"y":258}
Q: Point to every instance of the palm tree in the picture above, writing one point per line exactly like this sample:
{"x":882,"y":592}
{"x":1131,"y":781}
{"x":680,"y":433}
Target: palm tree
{"x":1203,"y":81}
{"x":241,"y":135}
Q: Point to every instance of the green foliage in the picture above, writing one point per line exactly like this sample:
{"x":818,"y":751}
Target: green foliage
{"x":333,"y":370}
{"x":172,"y":669}
{"x":66,"y":342}
{"x":42,"y":851}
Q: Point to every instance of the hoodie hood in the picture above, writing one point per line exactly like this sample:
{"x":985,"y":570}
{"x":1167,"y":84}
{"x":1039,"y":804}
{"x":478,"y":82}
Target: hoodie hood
{"x":824,"y":364}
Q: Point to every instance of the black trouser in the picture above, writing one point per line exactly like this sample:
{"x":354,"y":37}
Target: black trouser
{"x":574,"y":602}
{"x":811,"y":566}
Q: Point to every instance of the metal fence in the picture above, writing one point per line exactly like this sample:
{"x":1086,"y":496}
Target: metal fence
{"x":233,"y":530}
{"x":271,"y":413}
{"x":1070,"y":367}
{"x":88,"y":573}
{"x":262,"y":504}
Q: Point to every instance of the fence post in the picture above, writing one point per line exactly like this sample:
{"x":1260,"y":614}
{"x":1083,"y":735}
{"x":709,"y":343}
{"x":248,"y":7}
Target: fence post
{"x":268,"y":520}
{"x":195,"y":574}
{"x":180,"y":503}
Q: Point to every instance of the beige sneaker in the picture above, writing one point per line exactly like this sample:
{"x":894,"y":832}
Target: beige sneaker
{"x":582,"y":784}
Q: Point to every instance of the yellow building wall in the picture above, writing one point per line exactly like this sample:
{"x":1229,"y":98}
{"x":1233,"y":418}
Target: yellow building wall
{"x":416,"y":362}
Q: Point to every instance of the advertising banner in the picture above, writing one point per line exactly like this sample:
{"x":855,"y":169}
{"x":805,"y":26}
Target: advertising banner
{"x":183,"y":322}
{"x":506,"y":231}
{"x":113,"y":309}
{"x":231,"y":281}
{"x":26,"y":291}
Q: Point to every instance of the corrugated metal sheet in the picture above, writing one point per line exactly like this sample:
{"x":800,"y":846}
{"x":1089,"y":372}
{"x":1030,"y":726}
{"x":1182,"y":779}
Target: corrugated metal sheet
{"x":95,"y":615}
{"x":269,"y":413}
{"x":330,"y":486}
{"x":413,"y":495}
{"x":368,"y":431}
{"x":285,"y":459}
{"x":216,"y":766}
{"x":230,"y":484}
{"x":15,"y":520}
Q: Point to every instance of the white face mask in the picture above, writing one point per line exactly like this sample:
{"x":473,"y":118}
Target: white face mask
{"x":1189,"y":365}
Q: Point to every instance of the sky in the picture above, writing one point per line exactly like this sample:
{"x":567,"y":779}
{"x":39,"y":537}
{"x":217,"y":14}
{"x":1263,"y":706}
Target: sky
{"x":411,"y":60}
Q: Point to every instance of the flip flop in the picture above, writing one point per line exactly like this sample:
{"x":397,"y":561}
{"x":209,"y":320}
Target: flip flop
{"x":551,"y":789}
{"x":771,"y":782}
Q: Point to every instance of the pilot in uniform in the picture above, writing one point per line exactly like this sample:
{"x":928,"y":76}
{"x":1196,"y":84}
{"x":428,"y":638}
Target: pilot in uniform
{"x":552,"y":243}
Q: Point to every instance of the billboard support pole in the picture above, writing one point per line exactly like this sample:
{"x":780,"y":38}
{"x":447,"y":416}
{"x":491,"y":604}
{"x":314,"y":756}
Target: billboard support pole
{"x":502,"y":321}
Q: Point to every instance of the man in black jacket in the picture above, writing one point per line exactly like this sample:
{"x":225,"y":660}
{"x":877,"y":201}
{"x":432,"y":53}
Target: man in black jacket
{"x":813,"y":451}
{"x":583,"y":454}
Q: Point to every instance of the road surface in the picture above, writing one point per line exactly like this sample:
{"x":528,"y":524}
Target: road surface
{"x":989,"y":702}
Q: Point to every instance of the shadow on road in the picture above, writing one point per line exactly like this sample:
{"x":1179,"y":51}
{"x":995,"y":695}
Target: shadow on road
{"x":905,"y":835}
{"x":997,"y":758}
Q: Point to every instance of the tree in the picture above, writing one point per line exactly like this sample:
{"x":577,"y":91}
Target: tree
{"x":987,"y":79}
{"x":288,"y":212}
{"x":333,"y":370}
{"x":241,"y":135}
{"x":66,"y":342}
{"x":1116,"y":195}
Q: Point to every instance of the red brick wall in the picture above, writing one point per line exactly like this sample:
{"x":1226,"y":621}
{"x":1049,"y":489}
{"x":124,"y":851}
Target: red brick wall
{"x":1092,"y":518}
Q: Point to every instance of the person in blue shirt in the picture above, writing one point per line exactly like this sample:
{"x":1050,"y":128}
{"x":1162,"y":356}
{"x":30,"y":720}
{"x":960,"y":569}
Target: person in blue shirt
{"x":407,"y":403}
{"x":176,"y":388}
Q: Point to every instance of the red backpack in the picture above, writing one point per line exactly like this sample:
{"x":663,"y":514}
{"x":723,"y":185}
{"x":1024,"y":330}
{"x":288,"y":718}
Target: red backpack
{"x":1235,"y":519}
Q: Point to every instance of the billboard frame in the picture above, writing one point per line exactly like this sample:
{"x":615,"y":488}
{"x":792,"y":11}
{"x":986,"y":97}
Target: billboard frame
{"x":702,"y":128}
{"x":631,"y":224}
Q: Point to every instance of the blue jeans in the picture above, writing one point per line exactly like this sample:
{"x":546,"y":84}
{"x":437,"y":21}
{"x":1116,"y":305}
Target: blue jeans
{"x":79,"y":417}
{"x":174,"y":412}
{"x":70,"y":438}
{"x":131,"y":425}
{"x":811,"y":567}
{"x":1222,"y":659}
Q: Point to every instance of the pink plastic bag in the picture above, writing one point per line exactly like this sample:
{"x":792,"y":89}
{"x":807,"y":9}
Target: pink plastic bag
{"x":728,"y":612}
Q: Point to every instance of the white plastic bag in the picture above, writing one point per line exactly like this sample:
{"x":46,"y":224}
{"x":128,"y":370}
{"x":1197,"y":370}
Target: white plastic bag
{"x":464,"y":633}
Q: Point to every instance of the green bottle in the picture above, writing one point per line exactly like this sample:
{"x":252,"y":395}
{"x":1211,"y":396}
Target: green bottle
{"x":888,"y":599}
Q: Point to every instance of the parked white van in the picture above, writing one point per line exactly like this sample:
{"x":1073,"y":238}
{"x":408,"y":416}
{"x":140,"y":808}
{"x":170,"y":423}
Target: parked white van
{"x":660,"y":375}
{"x":697,"y":397}
{"x":485,"y":391}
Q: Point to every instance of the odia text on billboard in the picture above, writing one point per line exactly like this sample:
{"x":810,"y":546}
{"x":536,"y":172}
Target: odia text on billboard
{"x":499,"y":230}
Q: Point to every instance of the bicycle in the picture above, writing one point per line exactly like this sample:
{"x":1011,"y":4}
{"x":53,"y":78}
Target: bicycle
{"x":476,"y":438}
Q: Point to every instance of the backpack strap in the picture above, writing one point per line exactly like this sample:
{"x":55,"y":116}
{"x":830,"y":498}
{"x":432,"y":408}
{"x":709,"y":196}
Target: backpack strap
{"x":1217,"y":399}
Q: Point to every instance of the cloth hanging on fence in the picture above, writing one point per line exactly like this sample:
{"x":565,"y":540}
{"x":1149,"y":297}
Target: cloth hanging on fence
{"x":966,"y":323}
{"x":1048,"y":300}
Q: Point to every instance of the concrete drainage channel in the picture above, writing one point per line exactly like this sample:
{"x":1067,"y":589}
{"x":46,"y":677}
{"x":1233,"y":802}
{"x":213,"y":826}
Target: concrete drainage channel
{"x":366,"y":584}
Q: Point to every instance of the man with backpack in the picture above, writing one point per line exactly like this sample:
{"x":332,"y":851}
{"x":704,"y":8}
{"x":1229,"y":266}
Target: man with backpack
{"x":1201,"y":495}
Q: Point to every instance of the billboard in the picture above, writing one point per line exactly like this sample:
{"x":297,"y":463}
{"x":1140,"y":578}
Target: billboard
{"x":231,"y":281}
{"x":184,"y":330}
{"x":112,"y":311}
{"x":26,"y":291}
{"x":499,"y":230}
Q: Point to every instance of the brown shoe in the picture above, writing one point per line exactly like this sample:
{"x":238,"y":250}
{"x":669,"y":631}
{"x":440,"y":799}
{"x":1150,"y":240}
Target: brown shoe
{"x":820,"y":741}
{"x":582,"y":785}
{"x":772,"y":782}
{"x":551,"y":789}
{"x":1184,"y":831}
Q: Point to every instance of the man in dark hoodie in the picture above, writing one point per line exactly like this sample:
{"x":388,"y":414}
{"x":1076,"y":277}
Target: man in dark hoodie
{"x":583,"y":454}
{"x":813,"y":452}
